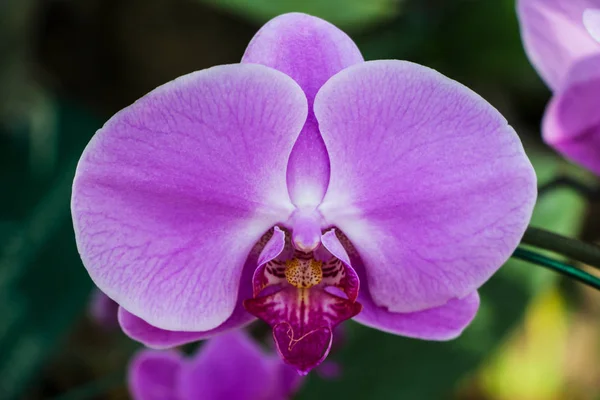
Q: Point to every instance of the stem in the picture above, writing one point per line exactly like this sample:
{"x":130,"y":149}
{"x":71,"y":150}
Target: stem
{"x":571,"y":248}
{"x":565,"y":269}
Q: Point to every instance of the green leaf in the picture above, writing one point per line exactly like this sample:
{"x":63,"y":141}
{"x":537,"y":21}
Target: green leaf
{"x":43,"y":286}
{"x":377,"y":365}
{"x":480,"y":40}
{"x":347,"y":14}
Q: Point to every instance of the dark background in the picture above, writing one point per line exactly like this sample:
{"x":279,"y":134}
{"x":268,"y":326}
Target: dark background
{"x":66,"y":66}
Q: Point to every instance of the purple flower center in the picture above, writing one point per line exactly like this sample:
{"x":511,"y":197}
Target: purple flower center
{"x":303,"y":296}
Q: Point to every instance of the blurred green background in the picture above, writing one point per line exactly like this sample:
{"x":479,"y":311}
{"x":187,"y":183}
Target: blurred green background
{"x":66,"y":66}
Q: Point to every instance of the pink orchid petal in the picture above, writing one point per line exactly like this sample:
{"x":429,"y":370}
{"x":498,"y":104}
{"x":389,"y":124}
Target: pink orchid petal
{"x":273,"y":247}
{"x":428,"y":182}
{"x":554,"y":35}
{"x":156,"y":338}
{"x":172,"y":193}
{"x":440,"y":323}
{"x":268,"y":247}
{"x":310,"y":50}
{"x":302,"y":322}
{"x":153,"y":375}
{"x":572,"y":121}
{"x":306,"y":48}
{"x":262,"y":276}
{"x":338,"y":271}
{"x":230,"y":366}
{"x":591,"y":21}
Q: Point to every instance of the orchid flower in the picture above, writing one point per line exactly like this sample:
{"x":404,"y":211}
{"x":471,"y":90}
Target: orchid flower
{"x":304,"y":187}
{"x":562,"y":40}
{"x":228,"y":367}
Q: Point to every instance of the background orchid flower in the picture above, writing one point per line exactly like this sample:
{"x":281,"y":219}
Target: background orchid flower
{"x":567,"y":57}
{"x":304,"y":187}
{"x":103,"y":310}
{"x":230,"y":366}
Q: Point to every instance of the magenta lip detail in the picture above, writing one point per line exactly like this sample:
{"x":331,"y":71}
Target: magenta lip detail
{"x":290,"y":295}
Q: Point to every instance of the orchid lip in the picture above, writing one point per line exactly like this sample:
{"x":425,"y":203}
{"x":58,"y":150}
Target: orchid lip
{"x":290,"y":294}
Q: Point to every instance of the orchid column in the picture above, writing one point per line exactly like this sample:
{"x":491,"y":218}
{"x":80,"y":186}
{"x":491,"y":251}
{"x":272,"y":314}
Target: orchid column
{"x":304,"y":187}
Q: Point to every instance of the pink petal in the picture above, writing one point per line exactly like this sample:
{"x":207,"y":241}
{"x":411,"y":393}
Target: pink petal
{"x":151,"y":336}
{"x":172,"y":193}
{"x":572,"y":121}
{"x":428,"y":182}
{"x":306,"y":48}
{"x":262,"y":276}
{"x":231,"y":366}
{"x":440,"y":323}
{"x":591,"y":21}
{"x":310,"y":50}
{"x":136,"y":328}
{"x":338,"y":271}
{"x":554,"y":35}
{"x":153,"y":375}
